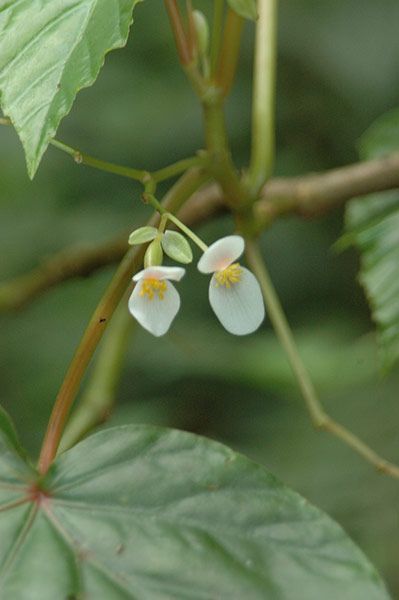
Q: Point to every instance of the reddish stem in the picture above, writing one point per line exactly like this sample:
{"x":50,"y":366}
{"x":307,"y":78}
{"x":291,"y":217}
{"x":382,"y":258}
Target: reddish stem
{"x":83,"y":354}
{"x":176,"y":22}
{"x":176,"y":196}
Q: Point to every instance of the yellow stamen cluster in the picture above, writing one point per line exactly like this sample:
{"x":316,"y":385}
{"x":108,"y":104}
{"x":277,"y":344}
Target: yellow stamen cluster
{"x":150,"y":287}
{"x":229,"y":276}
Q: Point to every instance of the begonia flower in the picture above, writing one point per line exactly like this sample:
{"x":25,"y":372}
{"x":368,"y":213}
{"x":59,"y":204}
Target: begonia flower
{"x":234,"y":292}
{"x":155,"y":301}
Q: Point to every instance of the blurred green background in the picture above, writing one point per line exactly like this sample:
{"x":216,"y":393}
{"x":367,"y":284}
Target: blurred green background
{"x":338,"y":70}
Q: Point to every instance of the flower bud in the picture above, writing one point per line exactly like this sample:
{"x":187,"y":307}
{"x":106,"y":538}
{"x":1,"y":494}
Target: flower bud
{"x":153,"y":255}
{"x":202,"y":31}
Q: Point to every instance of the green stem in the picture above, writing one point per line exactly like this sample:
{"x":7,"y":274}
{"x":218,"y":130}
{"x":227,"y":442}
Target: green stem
{"x":141,"y":175}
{"x":283,"y":331}
{"x":179,"y":167}
{"x":85,"y":159}
{"x":162,"y":224}
{"x":99,"y":397}
{"x":262,"y":152}
{"x":149,"y":198}
{"x":187,"y":231}
{"x":222,"y":165}
{"x":321,"y":420}
{"x":217,"y":25}
{"x":229,"y":53}
{"x":173,"y":200}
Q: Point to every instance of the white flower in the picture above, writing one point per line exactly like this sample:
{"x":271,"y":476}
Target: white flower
{"x":155,"y":301}
{"x":234,"y":292}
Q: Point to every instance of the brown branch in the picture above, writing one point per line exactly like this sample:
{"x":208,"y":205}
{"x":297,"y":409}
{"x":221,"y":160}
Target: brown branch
{"x":308,"y":196}
{"x":315,"y":194}
{"x":79,"y":261}
{"x":72,"y":262}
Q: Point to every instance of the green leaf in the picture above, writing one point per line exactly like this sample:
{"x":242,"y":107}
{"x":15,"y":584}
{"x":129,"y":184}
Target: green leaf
{"x":48,"y":52}
{"x":9,"y":435}
{"x":177,"y":247}
{"x":372,"y":224}
{"x":16,"y":475}
{"x":245,"y":8}
{"x":143,"y":235}
{"x":143,"y":512}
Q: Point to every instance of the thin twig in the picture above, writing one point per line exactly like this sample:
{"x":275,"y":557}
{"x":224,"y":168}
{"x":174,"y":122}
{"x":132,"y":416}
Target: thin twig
{"x":82,"y":261}
{"x":70,"y":263}
{"x":320,"y":419}
{"x":141,"y":175}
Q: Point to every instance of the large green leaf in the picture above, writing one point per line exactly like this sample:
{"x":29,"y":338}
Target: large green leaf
{"x":372,"y":224}
{"x":149,"y":513}
{"x":49,"y":50}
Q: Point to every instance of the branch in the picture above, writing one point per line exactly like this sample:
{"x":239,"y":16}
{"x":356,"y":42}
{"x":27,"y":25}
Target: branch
{"x":308,"y":196}
{"x":315,"y":194}
{"x":73,"y":262}
{"x":79,"y":261}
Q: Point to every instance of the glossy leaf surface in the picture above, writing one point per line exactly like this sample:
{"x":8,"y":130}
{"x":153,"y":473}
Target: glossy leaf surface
{"x":150,"y":513}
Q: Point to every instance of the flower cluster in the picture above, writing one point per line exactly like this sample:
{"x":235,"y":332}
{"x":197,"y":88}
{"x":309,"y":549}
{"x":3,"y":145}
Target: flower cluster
{"x":234,"y":292}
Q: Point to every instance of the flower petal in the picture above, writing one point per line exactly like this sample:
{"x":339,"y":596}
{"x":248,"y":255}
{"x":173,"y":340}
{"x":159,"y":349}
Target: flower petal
{"x":155,"y":315}
{"x":221,"y":254}
{"x":173,"y":273}
{"x":240,"y":307}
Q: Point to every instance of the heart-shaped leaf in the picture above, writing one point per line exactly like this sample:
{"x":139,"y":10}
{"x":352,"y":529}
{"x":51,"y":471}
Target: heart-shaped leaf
{"x":48,"y":52}
{"x":148,"y":513}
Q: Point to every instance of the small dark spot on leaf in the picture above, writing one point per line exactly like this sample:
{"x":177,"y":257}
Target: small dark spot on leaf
{"x":102,"y":320}
{"x":119,"y":549}
{"x":82,"y":554}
